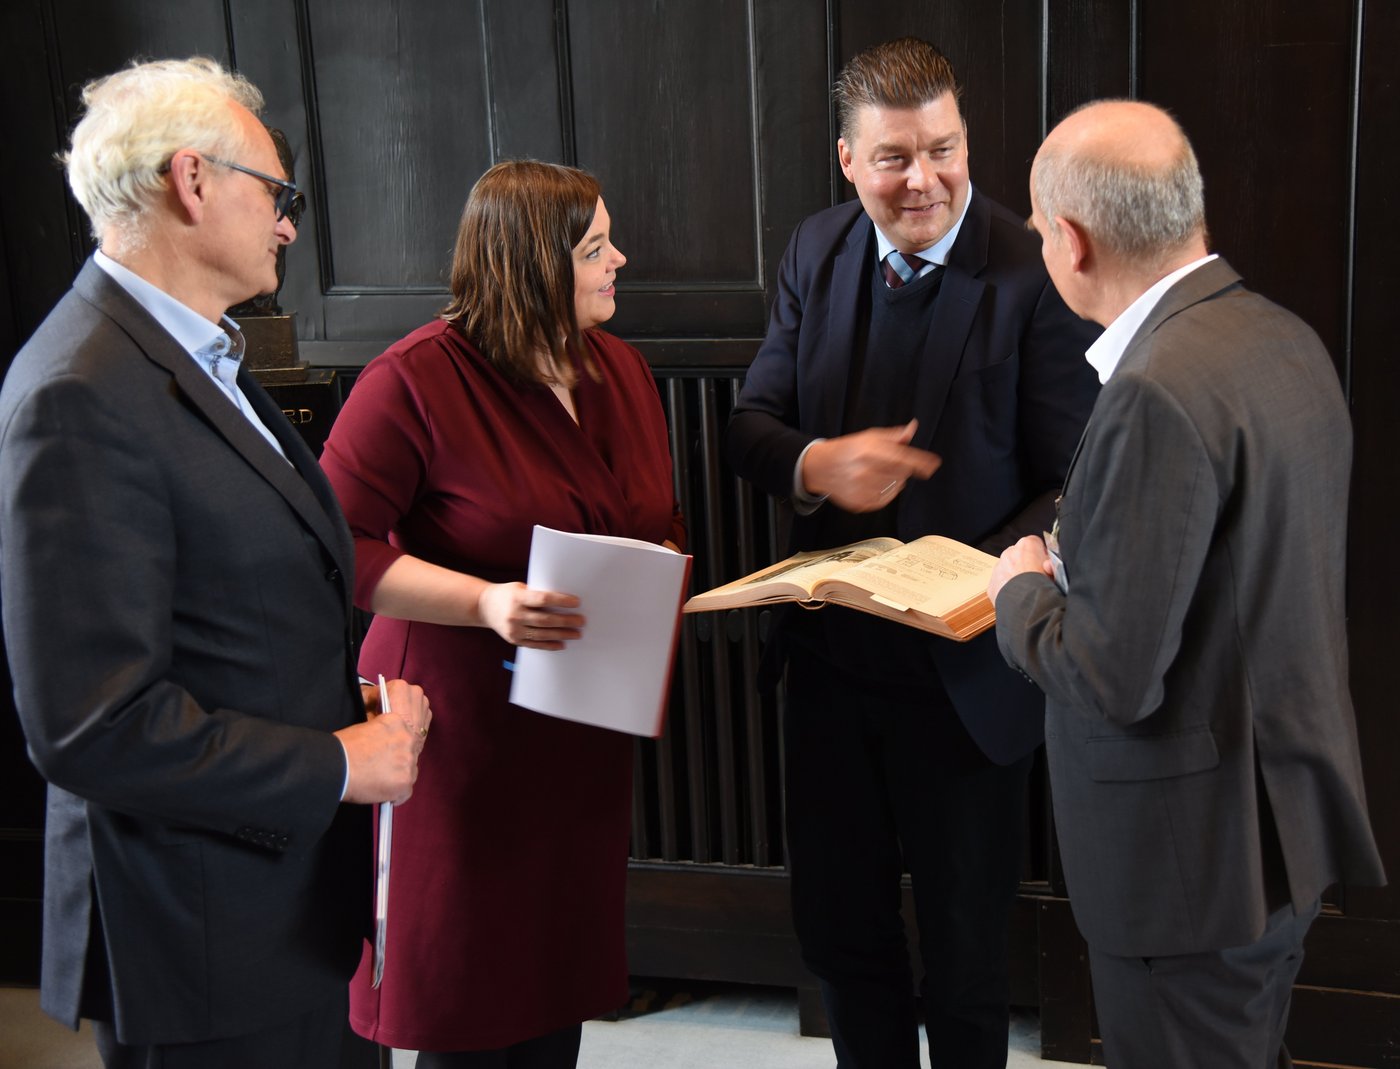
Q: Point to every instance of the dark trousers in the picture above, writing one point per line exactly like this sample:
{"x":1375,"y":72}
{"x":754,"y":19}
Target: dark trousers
{"x":557,"y":1050}
{"x":1223,"y":1009}
{"x":311,"y":1041}
{"x":876,"y":784}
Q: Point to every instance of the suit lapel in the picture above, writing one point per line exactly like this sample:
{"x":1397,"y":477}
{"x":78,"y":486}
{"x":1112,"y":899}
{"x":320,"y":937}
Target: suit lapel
{"x":310,"y":493}
{"x":848,"y":274}
{"x":959,"y":294}
{"x":1206,"y":282}
{"x":156,"y":344}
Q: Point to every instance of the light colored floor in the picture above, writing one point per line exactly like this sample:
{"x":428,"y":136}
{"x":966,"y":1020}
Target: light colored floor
{"x":752,"y":1027}
{"x":30,"y":1040}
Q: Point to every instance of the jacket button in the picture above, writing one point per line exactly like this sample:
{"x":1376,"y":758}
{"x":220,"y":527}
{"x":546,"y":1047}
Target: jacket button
{"x":333,"y":575}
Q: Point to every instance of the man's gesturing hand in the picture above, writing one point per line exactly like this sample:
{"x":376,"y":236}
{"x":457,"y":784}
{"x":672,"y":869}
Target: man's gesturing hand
{"x":866,"y":470}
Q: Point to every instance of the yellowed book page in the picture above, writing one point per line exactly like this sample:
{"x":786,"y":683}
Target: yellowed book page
{"x":802,"y":571}
{"x":808,"y":569}
{"x":932,"y":575}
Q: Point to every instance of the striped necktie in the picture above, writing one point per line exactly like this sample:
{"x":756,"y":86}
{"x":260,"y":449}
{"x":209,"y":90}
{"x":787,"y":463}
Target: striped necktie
{"x":902,"y":267}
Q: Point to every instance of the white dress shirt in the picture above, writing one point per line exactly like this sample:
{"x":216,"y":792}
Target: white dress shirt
{"x":1107,"y":351}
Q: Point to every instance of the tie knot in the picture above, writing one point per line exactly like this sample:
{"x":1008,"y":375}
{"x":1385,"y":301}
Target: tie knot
{"x":902,"y":267}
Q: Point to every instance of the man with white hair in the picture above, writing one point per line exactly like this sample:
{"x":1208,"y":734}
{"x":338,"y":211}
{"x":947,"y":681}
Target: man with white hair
{"x":1185,"y":616}
{"x":176,"y":592}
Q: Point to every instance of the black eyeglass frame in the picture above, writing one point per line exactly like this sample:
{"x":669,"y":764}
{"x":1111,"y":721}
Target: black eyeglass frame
{"x":290,"y":202}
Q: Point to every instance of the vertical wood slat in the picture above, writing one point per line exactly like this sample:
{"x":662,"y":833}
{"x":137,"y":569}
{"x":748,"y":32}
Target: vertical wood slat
{"x":726,"y":800}
{"x":664,"y":749}
{"x":754,"y":744}
{"x":718,"y":767}
{"x":746,"y":637}
{"x":641,"y":837}
{"x":1373,"y":376}
{"x":697,"y":762}
{"x":692,"y":707}
{"x":1078,"y":29}
{"x":777,"y":542}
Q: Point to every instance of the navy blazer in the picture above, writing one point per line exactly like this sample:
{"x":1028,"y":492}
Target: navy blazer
{"x":177,"y":615}
{"x":1002,"y":396}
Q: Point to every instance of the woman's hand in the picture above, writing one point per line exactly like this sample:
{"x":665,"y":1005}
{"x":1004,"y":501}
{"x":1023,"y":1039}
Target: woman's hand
{"x":534,"y":619}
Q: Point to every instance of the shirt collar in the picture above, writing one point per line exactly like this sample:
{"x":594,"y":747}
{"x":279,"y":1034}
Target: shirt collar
{"x":1105,"y":354}
{"x":195,"y":334}
{"x":937,"y":253}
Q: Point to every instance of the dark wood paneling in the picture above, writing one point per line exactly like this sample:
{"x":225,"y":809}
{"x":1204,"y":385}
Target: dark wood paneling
{"x":405,"y":126}
{"x":681,"y":180}
{"x":607,"y":86}
{"x":630,"y":102}
{"x":270,"y":40}
{"x":1090,"y":54}
{"x":795,"y":138}
{"x":21,"y":848}
{"x":1374,"y":376}
{"x":711,"y":923}
{"x":1341,"y":1029}
{"x":43,"y":232}
{"x":1066,"y":1019}
{"x":95,"y":37}
{"x":9,"y":330}
{"x":21,"y":913}
{"x":719,"y":922}
{"x":529,"y":80}
{"x":1350,"y":952}
{"x":1263,"y":91}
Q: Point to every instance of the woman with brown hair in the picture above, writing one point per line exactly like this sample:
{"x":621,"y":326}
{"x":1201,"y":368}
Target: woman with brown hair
{"x":512,"y":409}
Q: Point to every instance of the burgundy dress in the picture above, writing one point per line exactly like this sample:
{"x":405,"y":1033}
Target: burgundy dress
{"x":509,"y":867}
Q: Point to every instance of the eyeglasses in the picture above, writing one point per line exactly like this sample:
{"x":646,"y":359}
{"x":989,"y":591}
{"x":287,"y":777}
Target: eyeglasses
{"x":290,"y":202}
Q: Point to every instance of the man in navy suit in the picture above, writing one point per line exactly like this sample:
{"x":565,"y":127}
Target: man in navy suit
{"x":920,"y":375}
{"x":176,"y":578}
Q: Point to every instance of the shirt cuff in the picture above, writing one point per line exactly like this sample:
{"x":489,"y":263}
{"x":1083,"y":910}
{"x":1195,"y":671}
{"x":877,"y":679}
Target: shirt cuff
{"x":345,"y":783}
{"x":803,"y":503}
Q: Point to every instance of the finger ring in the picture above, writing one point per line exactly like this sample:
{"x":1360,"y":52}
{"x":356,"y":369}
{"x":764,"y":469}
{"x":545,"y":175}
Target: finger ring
{"x":529,"y":634}
{"x":423,"y":733}
{"x":892,"y":485}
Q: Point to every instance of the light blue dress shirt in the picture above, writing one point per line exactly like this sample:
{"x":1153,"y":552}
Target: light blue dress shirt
{"x":216,"y":349}
{"x":936,"y":255}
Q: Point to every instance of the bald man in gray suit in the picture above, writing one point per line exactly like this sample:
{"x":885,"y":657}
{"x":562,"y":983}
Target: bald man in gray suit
{"x":1185,"y":617}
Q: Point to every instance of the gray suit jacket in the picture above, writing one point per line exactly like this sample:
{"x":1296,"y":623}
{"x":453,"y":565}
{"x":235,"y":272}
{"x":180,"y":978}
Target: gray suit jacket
{"x":1198,"y":664}
{"x":177,"y":618}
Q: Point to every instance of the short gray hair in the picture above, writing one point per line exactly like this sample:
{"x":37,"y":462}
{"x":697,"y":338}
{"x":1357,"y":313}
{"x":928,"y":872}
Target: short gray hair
{"x":134,"y":121}
{"x":1138,"y":210}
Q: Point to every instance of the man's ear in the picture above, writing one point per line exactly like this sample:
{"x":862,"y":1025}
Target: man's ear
{"x":190,"y":174}
{"x":1077,"y":243}
{"x":843,"y":156}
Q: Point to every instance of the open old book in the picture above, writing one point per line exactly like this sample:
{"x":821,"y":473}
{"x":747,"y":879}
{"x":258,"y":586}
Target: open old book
{"x":934,"y":583}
